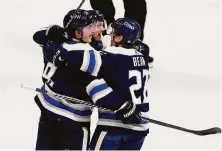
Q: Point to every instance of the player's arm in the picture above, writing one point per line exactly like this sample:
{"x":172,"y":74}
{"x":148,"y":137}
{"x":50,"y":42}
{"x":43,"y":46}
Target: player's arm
{"x":88,"y":61}
{"x":53,"y":33}
{"x":104,"y":96}
{"x":39,"y":37}
{"x":45,"y":35}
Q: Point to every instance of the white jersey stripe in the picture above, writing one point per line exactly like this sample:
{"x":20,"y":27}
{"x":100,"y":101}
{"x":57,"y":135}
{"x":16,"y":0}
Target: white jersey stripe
{"x":117,"y":123}
{"x":62,"y":112}
{"x":100,"y":140}
{"x":98,"y":63}
{"x":85,"y":138}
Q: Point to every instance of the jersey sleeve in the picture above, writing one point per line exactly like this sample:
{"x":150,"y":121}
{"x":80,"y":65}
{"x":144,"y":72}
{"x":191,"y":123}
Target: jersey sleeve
{"x":85,"y":60}
{"x":39,"y":37}
{"x":103,"y":95}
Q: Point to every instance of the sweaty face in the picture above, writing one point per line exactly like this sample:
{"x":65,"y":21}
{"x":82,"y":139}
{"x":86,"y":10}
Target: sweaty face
{"x":99,"y":28}
{"x":88,"y":32}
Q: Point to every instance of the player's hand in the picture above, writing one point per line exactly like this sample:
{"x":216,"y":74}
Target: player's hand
{"x":144,"y":49}
{"x":56,"y":34}
{"x":129,"y":113}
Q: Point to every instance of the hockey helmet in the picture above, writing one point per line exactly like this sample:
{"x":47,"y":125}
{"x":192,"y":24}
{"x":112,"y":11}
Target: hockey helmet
{"x":75,"y":20}
{"x":128,"y":28}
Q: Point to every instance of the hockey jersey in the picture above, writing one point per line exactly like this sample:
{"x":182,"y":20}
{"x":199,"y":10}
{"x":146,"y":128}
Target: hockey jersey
{"x":125,"y":71}
{"x":72,"y":82}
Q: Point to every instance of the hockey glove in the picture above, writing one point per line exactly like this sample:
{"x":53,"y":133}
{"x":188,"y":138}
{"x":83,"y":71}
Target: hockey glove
{"x":52,"y":33}
{"x":56,"y":34}
{"x":144,"y":49}
{"x":128,"y":113}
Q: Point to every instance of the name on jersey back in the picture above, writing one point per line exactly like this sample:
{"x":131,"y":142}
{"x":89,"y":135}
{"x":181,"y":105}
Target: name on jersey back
{"x":139,"y":61}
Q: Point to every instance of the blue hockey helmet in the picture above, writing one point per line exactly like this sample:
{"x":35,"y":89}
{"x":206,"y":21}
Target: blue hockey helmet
{"x":97,"y":15}
{"x":128,"y":28}
{"x":76,"y":19}
{"x":68,"y":16}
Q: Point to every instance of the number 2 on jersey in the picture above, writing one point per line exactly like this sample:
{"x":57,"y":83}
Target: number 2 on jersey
{"x":139,"y":78}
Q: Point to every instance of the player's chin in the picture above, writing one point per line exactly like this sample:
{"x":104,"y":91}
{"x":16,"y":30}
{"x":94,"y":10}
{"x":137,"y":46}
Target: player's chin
{"x":97,"y":38}
{"x":89,"y":40}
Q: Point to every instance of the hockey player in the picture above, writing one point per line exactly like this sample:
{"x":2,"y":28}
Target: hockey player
{"x":126,"y":71}
{"x":65,"y":126}
{"x":61,"y":126}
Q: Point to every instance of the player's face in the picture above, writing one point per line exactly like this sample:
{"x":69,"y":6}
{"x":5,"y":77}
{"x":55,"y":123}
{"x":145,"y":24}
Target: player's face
{"x":115,"y":39}
{"x":99,"y":28}
{"x":88,"y":32}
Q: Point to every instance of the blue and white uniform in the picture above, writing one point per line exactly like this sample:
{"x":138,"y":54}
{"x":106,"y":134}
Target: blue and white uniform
{"x":72,"y":82}
{"x":125,"y":71}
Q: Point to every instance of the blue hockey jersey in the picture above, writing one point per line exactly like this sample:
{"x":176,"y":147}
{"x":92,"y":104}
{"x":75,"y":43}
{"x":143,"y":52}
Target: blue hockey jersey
{"x":125,"y":71}
{"x":73,"y":82}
